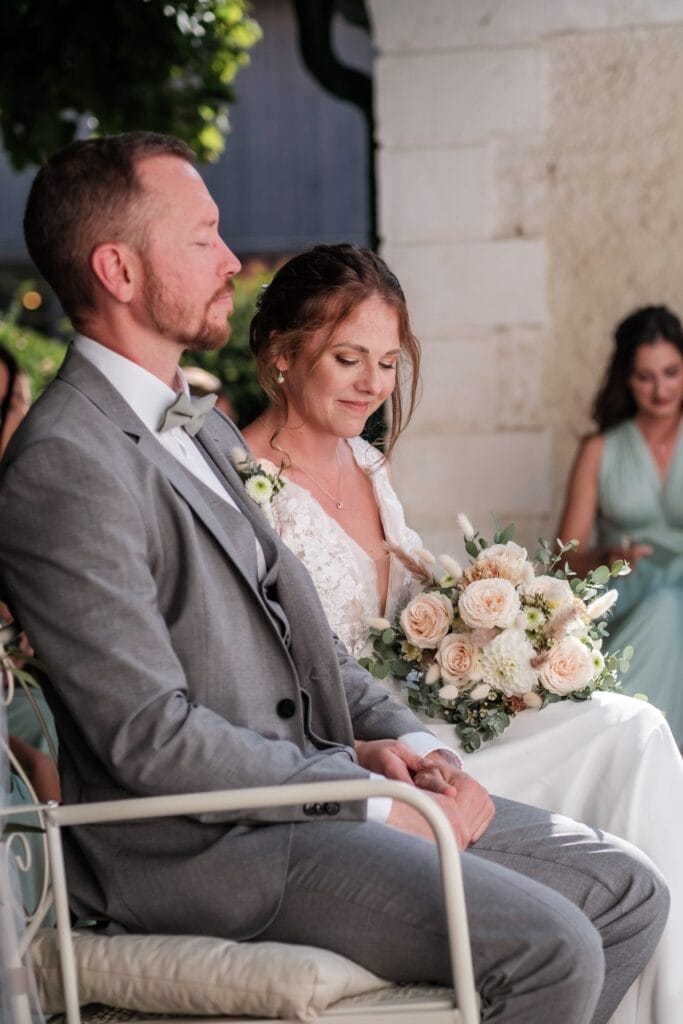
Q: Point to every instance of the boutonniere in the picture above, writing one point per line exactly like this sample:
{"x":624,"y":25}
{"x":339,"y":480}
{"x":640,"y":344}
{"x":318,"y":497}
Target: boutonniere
{"x":262,"y":480}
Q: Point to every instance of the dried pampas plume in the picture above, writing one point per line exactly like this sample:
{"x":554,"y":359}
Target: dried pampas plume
{"x":414,"y":567}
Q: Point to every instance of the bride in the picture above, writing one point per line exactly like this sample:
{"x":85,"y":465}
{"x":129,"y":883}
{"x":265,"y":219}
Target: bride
{"x":333,"y":342}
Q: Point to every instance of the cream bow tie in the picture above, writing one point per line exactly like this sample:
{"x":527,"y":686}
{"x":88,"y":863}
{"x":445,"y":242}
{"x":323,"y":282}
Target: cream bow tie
{"x":187,"y":412}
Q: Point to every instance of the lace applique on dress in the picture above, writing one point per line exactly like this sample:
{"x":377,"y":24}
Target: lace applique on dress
{"x":344,"y":574}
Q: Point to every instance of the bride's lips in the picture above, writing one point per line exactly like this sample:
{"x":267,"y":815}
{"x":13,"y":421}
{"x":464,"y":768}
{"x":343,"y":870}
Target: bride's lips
{"x":357,"y":406}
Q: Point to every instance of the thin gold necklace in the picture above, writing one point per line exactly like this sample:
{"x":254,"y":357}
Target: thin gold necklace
{"x":339,"y":501}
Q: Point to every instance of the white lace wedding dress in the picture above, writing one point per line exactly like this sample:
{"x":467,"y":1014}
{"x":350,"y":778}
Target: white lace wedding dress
{"x":610,"y":762}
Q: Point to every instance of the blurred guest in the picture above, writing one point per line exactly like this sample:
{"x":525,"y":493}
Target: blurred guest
{"x":15,"y":397}
{"x":627,"y":487}
{"x":201,"y":383}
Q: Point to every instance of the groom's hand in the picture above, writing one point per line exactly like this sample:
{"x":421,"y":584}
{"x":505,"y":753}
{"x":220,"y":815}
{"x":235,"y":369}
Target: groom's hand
{"x":440,"y":773}
{"x":407,"y":819}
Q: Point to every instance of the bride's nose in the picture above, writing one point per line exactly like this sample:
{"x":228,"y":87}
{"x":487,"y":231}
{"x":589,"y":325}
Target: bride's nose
{"x":370,"y":382}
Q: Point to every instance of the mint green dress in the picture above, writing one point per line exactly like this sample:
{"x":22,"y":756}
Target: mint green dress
{"x":635,"y":503}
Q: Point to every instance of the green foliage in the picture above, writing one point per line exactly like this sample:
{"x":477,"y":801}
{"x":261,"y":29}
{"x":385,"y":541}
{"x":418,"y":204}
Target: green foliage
{"x":234,"y":363}
{"x":39,"y":355}
{"x":116,"y":66}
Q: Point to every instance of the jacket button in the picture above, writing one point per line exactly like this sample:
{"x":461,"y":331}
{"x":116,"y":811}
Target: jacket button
{"x":331,"y":808}
{"x":286,"y":708}
{"x":309,"y":809}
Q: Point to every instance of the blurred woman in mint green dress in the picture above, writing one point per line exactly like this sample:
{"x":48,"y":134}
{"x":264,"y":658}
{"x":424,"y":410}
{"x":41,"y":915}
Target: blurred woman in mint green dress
{"x":626,"y":490}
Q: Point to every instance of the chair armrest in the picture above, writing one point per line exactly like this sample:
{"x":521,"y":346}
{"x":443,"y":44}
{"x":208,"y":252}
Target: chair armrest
{"x":57,"y":817}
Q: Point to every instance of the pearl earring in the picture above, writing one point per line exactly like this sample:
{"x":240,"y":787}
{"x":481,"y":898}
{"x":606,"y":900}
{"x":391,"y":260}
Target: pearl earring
{"x":280,"y":379}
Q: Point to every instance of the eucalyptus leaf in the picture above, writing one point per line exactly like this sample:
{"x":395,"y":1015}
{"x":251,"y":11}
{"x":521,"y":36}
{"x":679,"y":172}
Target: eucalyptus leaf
{"x":381,"y":669}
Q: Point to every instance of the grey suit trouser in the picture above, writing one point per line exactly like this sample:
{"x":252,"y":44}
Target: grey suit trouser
{"x":562,"y":917}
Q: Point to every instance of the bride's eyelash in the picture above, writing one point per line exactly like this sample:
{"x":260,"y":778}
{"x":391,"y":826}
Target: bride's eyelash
{"x":344,"y":361}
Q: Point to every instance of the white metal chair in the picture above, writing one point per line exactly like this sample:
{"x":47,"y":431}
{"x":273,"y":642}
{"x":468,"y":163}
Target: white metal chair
{"x":67,"y":962}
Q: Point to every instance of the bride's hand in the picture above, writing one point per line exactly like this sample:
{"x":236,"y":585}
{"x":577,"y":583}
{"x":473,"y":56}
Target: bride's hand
{"x":390,"y":758}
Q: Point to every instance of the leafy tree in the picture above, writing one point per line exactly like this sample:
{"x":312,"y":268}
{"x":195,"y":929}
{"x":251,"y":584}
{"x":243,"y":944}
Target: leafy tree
{"x":75,"y":66}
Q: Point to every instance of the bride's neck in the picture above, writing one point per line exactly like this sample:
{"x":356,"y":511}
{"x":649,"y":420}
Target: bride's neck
{"x":300,"y":442}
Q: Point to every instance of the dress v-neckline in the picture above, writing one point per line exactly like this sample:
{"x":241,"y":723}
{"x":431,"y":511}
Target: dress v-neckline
{"x":663,"y":483}
{"x":372,"y":568}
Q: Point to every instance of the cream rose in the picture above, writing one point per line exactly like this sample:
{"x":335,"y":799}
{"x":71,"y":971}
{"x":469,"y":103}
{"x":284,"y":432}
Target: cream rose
{"x":568,"y":666}
{"x":556,"y":592}
{"x":488,"y":603}
{"x":425,"y":620}
{"x":510,"y":561}
{"x":459,"y":659}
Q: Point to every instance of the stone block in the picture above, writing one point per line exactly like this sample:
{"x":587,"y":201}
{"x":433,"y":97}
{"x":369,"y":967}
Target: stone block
{"x":403,"y":25}
{"x":435,"y":194}
{"x":428,"y":99}
{"x":471,"y":284}
{"x":519,"y":186}
{"x":438,"y":476}
{"x":481,"y":383}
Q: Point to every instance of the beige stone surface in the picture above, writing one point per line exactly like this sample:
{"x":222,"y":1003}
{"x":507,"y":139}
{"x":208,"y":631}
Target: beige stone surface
{"x":485,"y":381}
{"x":615,"y":206}
{"x":531,"y":195}
{"x":438,"y":475}
{"x":404,"y":25}
{"x":413,"y":184}
{"x":471,"y":283}
{"x":438,"y":98}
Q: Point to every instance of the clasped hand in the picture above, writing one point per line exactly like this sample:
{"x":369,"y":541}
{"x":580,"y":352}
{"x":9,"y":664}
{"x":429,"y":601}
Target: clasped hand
{"x":467,"y":805}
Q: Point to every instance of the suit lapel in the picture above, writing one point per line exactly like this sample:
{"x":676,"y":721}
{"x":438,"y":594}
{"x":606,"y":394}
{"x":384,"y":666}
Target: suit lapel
{"x":81,"y":374}
{"x":213,"y":445}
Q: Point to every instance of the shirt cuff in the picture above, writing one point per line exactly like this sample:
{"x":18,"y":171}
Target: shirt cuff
{"x":379,"y":807}
{"x":424,"y":743}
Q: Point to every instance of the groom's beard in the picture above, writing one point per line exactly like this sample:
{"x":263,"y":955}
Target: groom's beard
{"x":177,"y":319}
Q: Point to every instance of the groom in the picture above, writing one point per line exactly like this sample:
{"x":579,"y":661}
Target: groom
{"x":186,"y":650}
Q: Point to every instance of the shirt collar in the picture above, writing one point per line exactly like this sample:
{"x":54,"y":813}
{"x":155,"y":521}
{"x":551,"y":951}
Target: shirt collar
{"x":148,"y":397}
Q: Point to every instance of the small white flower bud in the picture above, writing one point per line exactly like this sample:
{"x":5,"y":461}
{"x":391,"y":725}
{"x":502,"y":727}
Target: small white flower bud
{"x":377,"y":623}
{"x":597,"y":608}
{"x":533,"y":700}
{"x":451,"y":566}
{"x":425,"y":556}
{"x":433,"y":674}
{"x":466,"y":526}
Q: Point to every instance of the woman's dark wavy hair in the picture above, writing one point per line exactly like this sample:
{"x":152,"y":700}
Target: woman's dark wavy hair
{"x":318,"y":289}
{"x":615,"y":402}
{"x":13,"y":369}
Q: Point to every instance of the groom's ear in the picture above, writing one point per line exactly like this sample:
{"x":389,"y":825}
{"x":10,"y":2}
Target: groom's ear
{"x":114,"y":266}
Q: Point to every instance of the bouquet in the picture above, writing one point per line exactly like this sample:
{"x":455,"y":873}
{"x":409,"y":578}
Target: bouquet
{"x":476,"y":646}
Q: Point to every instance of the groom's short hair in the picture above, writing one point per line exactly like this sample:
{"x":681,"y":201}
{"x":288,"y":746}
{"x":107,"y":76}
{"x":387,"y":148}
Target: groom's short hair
{"x":87,"y":194}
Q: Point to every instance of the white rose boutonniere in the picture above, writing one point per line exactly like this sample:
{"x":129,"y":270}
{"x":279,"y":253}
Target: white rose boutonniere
{"x":262,"y":480}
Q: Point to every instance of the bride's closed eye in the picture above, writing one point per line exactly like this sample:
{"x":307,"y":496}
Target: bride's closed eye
{"x":345,"y":361}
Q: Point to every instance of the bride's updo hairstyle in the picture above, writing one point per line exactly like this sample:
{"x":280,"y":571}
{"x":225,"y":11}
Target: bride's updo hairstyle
{"x":319,"y":289}
{"x":615,"y":402}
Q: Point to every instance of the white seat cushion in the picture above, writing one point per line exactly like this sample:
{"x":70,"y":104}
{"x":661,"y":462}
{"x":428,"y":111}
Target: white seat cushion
{"x":198,"y":975}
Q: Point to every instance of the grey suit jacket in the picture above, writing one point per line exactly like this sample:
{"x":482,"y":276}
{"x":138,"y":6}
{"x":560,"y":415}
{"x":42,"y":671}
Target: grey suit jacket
{"x":170,"y":668}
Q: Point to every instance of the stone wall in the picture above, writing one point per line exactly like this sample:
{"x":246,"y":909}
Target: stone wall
{"x":530,"y":195}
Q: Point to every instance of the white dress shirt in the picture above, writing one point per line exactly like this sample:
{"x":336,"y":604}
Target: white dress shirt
{"x":149,"y":398}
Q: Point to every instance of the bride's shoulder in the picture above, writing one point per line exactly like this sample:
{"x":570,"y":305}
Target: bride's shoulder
{"x":366,"y":455}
